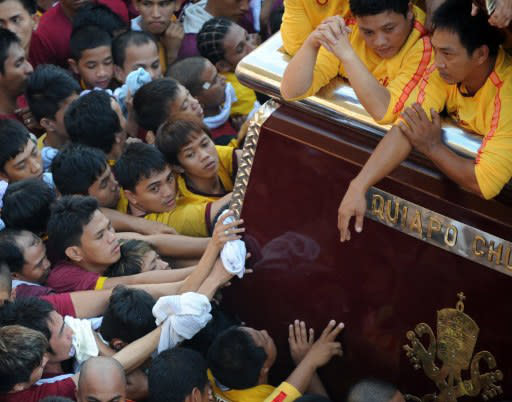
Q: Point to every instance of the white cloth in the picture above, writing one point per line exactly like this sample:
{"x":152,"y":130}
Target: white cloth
{"x":194,"y":16}
{"x":233,"y":253}
{"x":134,"y":81}
{"x":135,"y":24}
{"x":47,"y":155}
{"x":83,"y":341}
{"x":182,"y":316}
{"x":218,"y":120}
{"x":17,"y":282}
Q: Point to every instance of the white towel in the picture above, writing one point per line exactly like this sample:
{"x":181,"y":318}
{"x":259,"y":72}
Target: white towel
{"x":218,"y":120}
{"x":233,"y":253}
{"x":182,"y":316}
{"x":134,"y":81}
{"x":84,"y":343}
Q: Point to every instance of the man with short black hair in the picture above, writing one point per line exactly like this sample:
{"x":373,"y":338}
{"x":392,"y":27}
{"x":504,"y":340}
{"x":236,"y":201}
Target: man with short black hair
{"x":373,"y":390}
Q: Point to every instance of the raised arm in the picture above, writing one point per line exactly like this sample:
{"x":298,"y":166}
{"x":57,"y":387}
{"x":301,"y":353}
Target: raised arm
{"x":172,"y":245}
{"x":128,"y":223}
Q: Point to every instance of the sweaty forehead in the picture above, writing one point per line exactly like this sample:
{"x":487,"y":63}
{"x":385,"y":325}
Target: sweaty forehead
{"x":378,"y":21}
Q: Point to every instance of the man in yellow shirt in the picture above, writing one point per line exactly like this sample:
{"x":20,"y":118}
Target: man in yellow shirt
{"x":240,"y":358}
{"x":150,"y":191}
{"x":472,"y":80}
{"x":383,"y":52}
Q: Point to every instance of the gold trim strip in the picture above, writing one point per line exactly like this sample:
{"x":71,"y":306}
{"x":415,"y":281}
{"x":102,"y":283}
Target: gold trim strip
{"x":245,"y":166}
{"x":439,"y":230}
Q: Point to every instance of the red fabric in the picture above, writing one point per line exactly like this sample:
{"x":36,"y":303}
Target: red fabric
{"x":222,"y":135}
{"x":61,"y":303}
{"x":66,"y":277}
{"x":64,"y":388}
{"x":21,"y":103}
{"x":32,"y":291}
{"x":50,"y":44}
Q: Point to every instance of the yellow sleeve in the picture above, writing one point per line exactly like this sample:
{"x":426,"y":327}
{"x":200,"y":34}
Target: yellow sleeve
{"x":413,"y":67}
{"x":295,"y":27}
{"x":189,"y":219}
{"x":225,"y":159}
{"x":100,"y":283}
{"x":493,"y":164}
{"x":326,"y":68}
{"x":285,"y":392}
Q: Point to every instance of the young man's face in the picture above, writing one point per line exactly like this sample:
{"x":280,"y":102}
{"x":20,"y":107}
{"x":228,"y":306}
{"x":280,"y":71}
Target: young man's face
{"x":237,"y":44}
{"x":105,"y":189}
{"x":60,"y":339}
{"x":385,"y":33}
{"x":184,"y":103}
{"x":452,"y":59}
{"x":15,"y":18}
{"x":156,"y":193}
{"x":37,"y":266}
{"x":215,"y":95}
{"x":17,"y":69}
{"x":60,"y":127}
{"x":95,"y":67}
{"x":145,"y":56}
{"x":151,"y":261}
{"x":98,"y":245}
{"x":199,"y":158}
{"x":156,"y":14}
{"x":232,"y":9}
{"x":27,"y":164}
{"x":262,"y":338}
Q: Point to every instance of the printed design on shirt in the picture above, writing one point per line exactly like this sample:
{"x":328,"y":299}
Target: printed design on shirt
{"x":384,"y":81}
{"x":424,"y":82}
{"x":280,"y":398}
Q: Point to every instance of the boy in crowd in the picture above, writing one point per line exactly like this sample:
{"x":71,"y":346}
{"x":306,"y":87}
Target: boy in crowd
{"x":163,"y":100}
{"x":83,"y":242}
{"x":20,"y":17}
{"x":156,"y":17}
{"x":50,"y":90}
{"x":151,"y":191}
{"x":383,"y":53}
{"x":196,"y":15}
{"x":27,"y":205}
{"x":204,"y":83}
{"x":472,"y":80}
{"x":19,"y":157}
{"x":133,"y":50}
{"x":51,"y":42}
{"x":14,"y":72}
{"x":96,"y":120}
{"x":91,"y":57}
{"x":178,"y":375}
{"x":241,"y":357}
{"x":207,"y":171}
{"x":225,"y":43}
{"x":375,"y":390}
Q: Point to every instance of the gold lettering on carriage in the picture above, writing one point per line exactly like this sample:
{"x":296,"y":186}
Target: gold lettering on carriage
{"x":439,"y":230}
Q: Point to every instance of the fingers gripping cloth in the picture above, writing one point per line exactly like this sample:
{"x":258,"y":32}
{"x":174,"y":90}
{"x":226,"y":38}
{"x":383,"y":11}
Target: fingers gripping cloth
{"x":233,"y":253}
{"x":182,"y":316}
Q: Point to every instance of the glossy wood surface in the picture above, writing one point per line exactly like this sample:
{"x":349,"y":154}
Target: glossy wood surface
{"x":380,"y":284}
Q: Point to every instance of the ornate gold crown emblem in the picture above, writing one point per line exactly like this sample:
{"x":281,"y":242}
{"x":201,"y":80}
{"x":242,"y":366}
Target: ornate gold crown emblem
{"x":457,"y":334}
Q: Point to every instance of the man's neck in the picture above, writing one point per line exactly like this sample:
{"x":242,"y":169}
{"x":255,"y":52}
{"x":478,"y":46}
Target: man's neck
{"x":206,"y":186}
{"x":136,"y":211}
{"x":55,"y":140}
{"x":68,"y":12}
{"x":212,"y":110}
{"x":96,"y":268}
{"x":478,"y":77}
{"x":211,"y":9}
{"x":53,"y":368}
{"x":7,"y":104}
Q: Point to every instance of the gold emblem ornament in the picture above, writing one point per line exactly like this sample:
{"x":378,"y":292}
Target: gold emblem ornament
{"x":457,"y":334}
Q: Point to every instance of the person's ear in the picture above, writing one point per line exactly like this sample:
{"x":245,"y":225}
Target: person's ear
{"x":48,"y":124}
{"x":74,"y":66}
{"x":263,"y":375}
{"x":136,"y":5}
{"x":16,"y":275}
{"x":481,"y":54}
{"x":117,"y":344}
{"x":223,"y":66}
{"x":130,"y":196}
{"x":74,"y":253}
{"x":4,"y":177}
{"x":118,"y":74}
{"x":178,"y":169}
{"x":410,"y":12}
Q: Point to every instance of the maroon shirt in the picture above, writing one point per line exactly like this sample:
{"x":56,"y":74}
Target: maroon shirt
{"x":67,"y":277}
{"x":64,"y":388}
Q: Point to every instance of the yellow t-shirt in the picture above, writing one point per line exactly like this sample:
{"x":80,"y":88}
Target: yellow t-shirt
{"x":399,"y":74}
{"x":486,"y":113}
{"x":301,"y":17}
{"x":40,"y":142}
{"x":245,"y":96}
{"x":191,"y":217}
{"x":285,"y":392}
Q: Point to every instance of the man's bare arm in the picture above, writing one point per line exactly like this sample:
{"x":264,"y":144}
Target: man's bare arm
{"x":128,"y":223}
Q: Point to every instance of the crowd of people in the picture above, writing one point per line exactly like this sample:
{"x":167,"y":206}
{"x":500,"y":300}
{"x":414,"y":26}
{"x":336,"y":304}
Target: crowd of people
{"x":121,"y":129}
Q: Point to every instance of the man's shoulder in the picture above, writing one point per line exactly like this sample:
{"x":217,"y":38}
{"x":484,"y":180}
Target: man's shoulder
{"x":62,"y":387}
{"x":52,"y":20}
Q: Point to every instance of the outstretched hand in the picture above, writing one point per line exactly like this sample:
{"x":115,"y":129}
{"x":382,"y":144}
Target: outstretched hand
{"x":325,"y":348}
{"x":502,"y":14}
{"x":353,"y":204}
{"x":222,"y":233}
{"x":300,"y":340}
